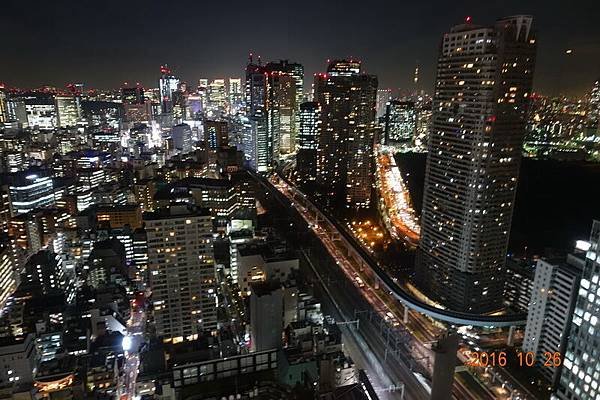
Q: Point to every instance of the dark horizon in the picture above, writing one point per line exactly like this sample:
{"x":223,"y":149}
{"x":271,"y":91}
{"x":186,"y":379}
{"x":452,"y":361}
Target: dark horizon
{"x":103,"y":46}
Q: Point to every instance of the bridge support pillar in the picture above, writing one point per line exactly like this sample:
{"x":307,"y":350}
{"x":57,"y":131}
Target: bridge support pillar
{"x":510,"y":340}
{"x":405,"y":318}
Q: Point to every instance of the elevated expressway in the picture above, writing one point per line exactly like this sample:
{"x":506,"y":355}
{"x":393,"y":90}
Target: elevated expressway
{"x":277,"y":185}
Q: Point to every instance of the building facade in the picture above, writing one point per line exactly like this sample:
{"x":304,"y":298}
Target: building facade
{"x":344,"y":152}
{"x":581,"y":366}
{"x":182,"y":271}
{"x":484,"y":80}
{"x":550,"y":313}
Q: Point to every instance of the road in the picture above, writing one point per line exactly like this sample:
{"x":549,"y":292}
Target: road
{"x":135,"y":340}
{"x":422,"y":330}
{"x":395,"y":204}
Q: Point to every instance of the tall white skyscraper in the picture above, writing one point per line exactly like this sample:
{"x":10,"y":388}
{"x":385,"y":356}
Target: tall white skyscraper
{"x":484,"y":80}
{"x":182,"y":271}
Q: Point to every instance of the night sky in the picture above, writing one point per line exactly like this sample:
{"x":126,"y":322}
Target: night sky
{"x":105,"y":43}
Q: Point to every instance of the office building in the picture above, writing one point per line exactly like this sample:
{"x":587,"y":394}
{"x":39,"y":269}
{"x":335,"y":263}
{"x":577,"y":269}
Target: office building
{"x":308,"y":140}
{"x":258,"y":140}
{"x":132,"y":94}
{"x":347,"y":100}
{"x":135,"y":105}
{"x":168,"y":84}
{"x":285,"y":95}
{"x":484,"y":80}
{"x":217,"y":97}
{"x":383,"y":97}
{"x":550,"y":312}
{"x":68,"y":110}
{"x":8,"y":278}
{"x":518,"y":284}
{"x":216,"y":134}
{"x":46,"y":269}
{"x":17,"y":359}
{"x":236,"y":95}
{"x":266,"y":315}
{"x":119,"y":216}
{"x":29,"y":191}
{"x":581,"y":365}
{"x":41,"y":113}
{"x":400,"y":122}
{"x":182,"y":271}
{"x":4,"y":117}
{"x":181,"y":135}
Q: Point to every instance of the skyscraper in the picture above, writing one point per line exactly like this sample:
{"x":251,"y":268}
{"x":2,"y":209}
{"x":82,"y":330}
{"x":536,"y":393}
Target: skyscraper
{"x":135,"y":105}
{"x":581,"y":366}
{"x":383,"y":97}
{"x":182,"y":271}
{"x":235,"y":95}
{"x":286,"y":83}
{"x":258,"y":140}
{"x":484,"y":79}
{"x":400,"y":122}
{"x":132,"y":94}
{"x":167,"y":85}
{"x":68,"y":110}
{"x":3,"y":105}
{"x":217,"y":97}
{"x":347,"y":100}
{"x":308,"y":138}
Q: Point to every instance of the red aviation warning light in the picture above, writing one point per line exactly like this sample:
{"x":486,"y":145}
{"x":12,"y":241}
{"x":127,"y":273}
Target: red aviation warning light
{"x":164,"y":70}
{"x":468,"y":19}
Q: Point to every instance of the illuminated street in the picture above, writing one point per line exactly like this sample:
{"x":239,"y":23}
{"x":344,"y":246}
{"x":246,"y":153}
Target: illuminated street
{"x":423,"y":331}
{"x":395,"y":204}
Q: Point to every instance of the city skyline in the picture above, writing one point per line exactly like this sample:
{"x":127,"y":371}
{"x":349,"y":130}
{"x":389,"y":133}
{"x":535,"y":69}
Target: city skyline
{"x":103,"y":55}
{"x":300,"y":230}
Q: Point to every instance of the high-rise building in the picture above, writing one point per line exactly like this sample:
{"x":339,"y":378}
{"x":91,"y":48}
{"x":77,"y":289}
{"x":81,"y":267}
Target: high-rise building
{"x":236,"y":95}
{"x":594,"y":104}
{"x":383,"y":97}
{"x":550,"y":312}
{"x":266,"y":314}
{"x":287,"y":82}
{"x":308,"y":139}
{"x":29,"y":191}
{"x":132,"y":94}
{"x":182,"y":271}
{"x":217,"y":97}
{"x":68,"y":110}
{"x":258,"y":144}
{"x":167,"y":85}
{"x":181,"y":135}
{"x":215,"y":134}
{"x":282,"y":113}
{"x":3,"y":105}
{"x":484,"y":80}
{"x":347,"y":100}
{"x":400,"y":122}
{"x":8,"y":281}
{"x":581,"y":365}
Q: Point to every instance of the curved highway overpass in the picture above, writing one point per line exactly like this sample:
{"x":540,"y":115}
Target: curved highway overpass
{"x":406,"y":298}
